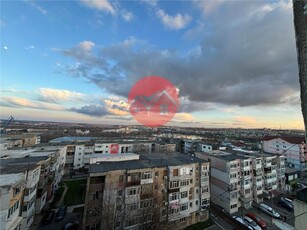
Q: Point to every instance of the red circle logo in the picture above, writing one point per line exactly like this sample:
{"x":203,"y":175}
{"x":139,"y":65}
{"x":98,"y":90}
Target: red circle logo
{"x":153,"y":101}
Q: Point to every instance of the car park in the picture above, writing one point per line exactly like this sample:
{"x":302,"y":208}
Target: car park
{"x":61,"y":213}
{"x":260,"y":222}
{"x":48,"y":217}
{"x":268,"y":210}
{"x":286,"y":204}
{"x":251,"y":223}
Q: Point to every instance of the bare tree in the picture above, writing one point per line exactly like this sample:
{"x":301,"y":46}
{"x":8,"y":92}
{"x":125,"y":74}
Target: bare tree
{"x":300,"y":24}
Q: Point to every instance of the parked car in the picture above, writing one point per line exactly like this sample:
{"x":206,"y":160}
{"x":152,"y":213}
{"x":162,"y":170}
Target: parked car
{"x":72,"y":226}
{"x":286,"y":204}
{"x":242,"y":221}
{"x":260,"y":222}
{"x":251,"y":223}
{"x":301,"y":186}
{"x":268,"y":210}
{"x":48,"y":217}
{"x":61,"y":213}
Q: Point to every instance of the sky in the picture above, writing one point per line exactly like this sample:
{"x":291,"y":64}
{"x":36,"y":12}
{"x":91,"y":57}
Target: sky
{"x":234,"y":63}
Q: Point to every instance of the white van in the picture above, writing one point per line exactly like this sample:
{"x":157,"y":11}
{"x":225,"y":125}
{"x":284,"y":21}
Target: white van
{"x":268,"y":210}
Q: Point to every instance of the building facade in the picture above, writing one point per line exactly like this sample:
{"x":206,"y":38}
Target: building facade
{"x":155,"y":192}
{"x":293,"y":147}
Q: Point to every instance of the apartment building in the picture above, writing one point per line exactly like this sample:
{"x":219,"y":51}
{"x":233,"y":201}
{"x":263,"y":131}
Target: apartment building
{"x":239,"y":179}
{"x":22,"y":140}
{"x":31,"y":167}
{"x":157,"y":191}
{"x":11,"y":193}
{"x":164,"y":147}
{"x":293,"y":147}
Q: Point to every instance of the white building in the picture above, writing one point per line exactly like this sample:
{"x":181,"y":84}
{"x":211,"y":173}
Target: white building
{"x":238,"y":179}
{"x":293,"y":147}
{"x":11,"y":190}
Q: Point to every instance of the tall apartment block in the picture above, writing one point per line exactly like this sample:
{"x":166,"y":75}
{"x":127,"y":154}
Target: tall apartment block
{"x":239,"y":179}
{"x":156,"y":191}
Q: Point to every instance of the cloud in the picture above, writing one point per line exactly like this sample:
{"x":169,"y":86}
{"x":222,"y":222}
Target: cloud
{"x":5,"y":47}
{"x":30,"y":47}
{"x":209,"y":6}
{"x":116,"y":107}
{"x":177,"y":22}
{"x":183,"y":117}
{"x":127,"y":16}
{"x":57,"y":95}
{"x":101,"y":5}
{"x":91,"y":110}
{"x":22,"y":102}
{"x":244,"y":120}
{"x":254,"y":66}
{"x":150,"y":2}
{"x":86,"y":45}
{"x":37,"y":7}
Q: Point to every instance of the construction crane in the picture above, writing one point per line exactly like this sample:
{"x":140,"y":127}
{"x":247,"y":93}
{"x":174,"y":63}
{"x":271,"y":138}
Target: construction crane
{"x":5,"y":124}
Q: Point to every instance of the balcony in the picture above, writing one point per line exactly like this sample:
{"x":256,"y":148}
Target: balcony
{"x":146,"y":196}
{"x":258,"y":166}
{"x":29,"y":197}
{"x":259,"y":183}
{"x":147,"y":181}
{"x":133,"y":183}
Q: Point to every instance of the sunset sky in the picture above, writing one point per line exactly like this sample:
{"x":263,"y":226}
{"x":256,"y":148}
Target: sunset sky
{"x":233,"y":62}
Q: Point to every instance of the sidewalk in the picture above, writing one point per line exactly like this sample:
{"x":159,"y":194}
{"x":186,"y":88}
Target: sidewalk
{"x":70,"y":209}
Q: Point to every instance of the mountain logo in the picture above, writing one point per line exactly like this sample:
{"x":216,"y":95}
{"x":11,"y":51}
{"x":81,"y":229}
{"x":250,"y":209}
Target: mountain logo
{"x":153,"y":101}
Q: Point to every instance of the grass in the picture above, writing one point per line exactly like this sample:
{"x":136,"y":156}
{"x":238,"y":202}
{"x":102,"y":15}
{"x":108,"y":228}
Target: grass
{"x":200,"y":225}
{"x":75,"y":193}
{"x":57,"y":196}
{"x":79,"y":210}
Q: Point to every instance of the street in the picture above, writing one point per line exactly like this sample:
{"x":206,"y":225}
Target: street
{"x":69,"y":218}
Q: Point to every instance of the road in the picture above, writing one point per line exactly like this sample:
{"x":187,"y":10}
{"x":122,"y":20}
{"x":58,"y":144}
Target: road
{"x":267,"y":218}
{"x":58,"y":225}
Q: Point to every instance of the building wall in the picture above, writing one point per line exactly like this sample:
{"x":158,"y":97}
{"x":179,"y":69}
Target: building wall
{"x":134,"y":188}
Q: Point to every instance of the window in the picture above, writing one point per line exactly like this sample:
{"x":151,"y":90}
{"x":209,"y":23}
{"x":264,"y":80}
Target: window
{"x":121,"y":178}
{"x":204,"y":190}
{"x":175,"y":172}
{"x":146,"y":203}
{"x":156,"y":173}
{"x":132,"y":207}
{"x":184,"y":207}
{"x":234,"y":175}
{"x":196,"y":202}
{"x":233,"y":206}
{"x":174,"y":196}
{"x":184,"y":182}
{"x":174,"y":184}
{"x":13,"y":209}
{"x":146,"y":175}
{"x":197,"y":191}
{"x":120,"y":192}
{"x":132,"y":191}
{"x":183,"y":195}
{"x":191,"y":204}
{"x":184,"y":219}
{"x":16,"y":191}
{"x":131,"y":222}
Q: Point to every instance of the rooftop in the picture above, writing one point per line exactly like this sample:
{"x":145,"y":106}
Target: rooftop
{"x":290,"y":139}
{"x":146,"y":161}
{"x":11,"y":179}
{"x":19,"y":165}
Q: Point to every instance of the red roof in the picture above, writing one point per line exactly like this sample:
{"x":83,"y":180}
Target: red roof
{"x":290,"y":139}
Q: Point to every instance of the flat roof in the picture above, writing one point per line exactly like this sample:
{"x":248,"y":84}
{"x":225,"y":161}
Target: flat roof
{"x":146,"y":161}
{"x":11,"y":179}
{"x":19,"y":165}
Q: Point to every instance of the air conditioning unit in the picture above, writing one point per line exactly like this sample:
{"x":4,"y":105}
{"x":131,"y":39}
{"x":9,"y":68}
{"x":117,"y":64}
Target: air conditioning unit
{"x":165,"y":203}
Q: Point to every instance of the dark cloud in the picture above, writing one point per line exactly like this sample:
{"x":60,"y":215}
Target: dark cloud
{"x":244,"y":59}
{"x":91,"y":110}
